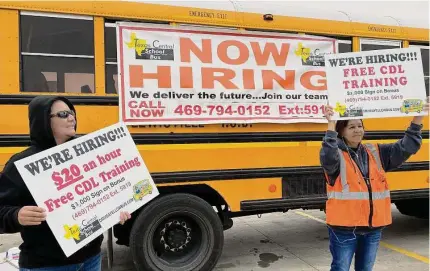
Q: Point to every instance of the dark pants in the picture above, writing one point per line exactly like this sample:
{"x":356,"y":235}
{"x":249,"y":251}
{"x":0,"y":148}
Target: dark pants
{"x":92,"y":264}
{"x":344,"y":244}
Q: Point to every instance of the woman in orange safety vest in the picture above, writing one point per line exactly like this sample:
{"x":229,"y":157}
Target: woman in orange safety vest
{"x":359,"y":204}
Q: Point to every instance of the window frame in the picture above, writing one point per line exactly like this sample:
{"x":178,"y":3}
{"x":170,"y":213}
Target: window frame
{"x":54,"y":55}
{"x":369,"y":41}
{"x":110,"y":25}
{"x":422,"y":46}
{"x":343,"y":41}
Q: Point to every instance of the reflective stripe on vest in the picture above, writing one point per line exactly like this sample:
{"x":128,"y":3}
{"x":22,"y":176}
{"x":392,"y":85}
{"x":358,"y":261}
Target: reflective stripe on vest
{"x":375,"y":154}
{"x":345,"y":185}
{"x":357,"y":195}
{"x":346,"y":194}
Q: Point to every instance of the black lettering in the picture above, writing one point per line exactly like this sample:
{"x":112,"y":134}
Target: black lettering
{"x":111,"y":136}
{"x":381,"y":59}
{"x":91,"y":144}
{"x":84,"y":144}
{"x":66,"y":154}
{"x":103,"y":139}
{"x":32,"y":168}
{"x":370,"y":59}
{"x":333,"y":62}
{"x":45,"y":164}
{"x":58,"y":159}
{"x":78,"y":150}
{"x":393,"y":57}
{"x":402,"y":57}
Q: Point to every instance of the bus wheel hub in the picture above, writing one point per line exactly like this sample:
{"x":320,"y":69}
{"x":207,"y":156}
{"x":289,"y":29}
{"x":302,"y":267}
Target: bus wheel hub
{"x":175,"y":235}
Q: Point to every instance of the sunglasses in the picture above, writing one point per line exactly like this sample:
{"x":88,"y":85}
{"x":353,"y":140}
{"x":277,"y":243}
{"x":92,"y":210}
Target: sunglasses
{"x":63,"y":114}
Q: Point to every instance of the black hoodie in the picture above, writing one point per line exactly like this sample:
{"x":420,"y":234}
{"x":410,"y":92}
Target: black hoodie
{"x":40,"y":248}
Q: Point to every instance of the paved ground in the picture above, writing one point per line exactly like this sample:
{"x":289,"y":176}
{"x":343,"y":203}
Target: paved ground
{"x":297,"y":240}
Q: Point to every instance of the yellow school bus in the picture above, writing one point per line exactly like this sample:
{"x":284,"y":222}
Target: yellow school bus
{"x":206,"y":174}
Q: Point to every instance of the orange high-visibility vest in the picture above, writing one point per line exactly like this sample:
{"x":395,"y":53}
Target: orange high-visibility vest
{"x":353,"y":201}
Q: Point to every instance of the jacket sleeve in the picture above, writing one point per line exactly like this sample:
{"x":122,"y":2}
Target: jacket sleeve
{"x":329,"y":156}
{"x":9,"y":205}
{"x":393,"y":155}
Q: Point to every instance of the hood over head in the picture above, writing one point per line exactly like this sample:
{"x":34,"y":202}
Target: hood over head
{"x":39,"y":111}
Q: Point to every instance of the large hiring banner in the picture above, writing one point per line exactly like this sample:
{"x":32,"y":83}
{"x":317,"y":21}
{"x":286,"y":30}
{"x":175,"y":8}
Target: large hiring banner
{"x":175,"y":75}
{"x":376,"y":84}
{"x":85,"y":183}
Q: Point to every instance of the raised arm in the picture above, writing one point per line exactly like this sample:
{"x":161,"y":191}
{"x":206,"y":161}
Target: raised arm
{"x":393,"y":155}
{"x":329,"y":156}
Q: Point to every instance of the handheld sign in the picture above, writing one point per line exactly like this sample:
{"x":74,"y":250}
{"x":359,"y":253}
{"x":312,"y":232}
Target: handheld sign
{"x":85,"y":183}
{"x":376,"y":84}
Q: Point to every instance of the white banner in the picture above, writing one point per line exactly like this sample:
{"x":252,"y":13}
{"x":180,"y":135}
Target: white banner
{"x":376,"y":84}
{"x":174,"y":75}
{"x":85,"y":183}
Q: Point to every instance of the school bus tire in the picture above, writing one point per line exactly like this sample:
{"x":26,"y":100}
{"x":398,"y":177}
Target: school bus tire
{"x":149,"y":251}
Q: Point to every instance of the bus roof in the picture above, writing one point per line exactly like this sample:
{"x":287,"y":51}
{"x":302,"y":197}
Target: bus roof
{"x":394,"y":13}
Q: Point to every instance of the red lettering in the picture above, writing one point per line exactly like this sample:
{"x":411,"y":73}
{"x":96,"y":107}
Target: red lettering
{"x":137,"y":76}
{"x":79,"y":190}
{"x":209,"y":78}
{"x":248,"y":79}
{"x":345,"y":72}
{"x":286,"y":83}
{"x":52,"y":204}
{"x":186,"y":78}
{"x":306,"y":80}
{"x":223,"y":56}
{"x":187,"y":46}
{"x":270,"y":49}
{"x":282,"y":109}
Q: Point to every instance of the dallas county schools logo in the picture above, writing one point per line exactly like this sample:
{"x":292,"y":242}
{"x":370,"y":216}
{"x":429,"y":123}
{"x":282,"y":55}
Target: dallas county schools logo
{"x":309,"y":57}
{"x":150,"y":50}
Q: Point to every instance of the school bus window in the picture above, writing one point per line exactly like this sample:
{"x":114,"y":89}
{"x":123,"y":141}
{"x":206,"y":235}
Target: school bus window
{"x":111,"y":74}
{"x":425,"y":61}
{"x":424,"y":58}
{"x":371,"y":45}
{"x":426,"y":82}
{"x":57,"y":53}
{"x":111,"y":78}
{"x":344,"y":46}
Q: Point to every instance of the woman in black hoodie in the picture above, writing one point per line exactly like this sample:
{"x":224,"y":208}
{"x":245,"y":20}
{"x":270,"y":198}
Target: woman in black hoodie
{"x":52,"y":122}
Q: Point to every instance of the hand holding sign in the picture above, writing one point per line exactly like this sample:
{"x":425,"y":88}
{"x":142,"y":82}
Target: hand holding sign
{"x":425,"y":108}
{"x":31,"y":215}
{"x":123,"y":217}
{"x":329,"y":113}
{"x":87,"y":185}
